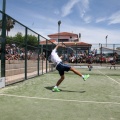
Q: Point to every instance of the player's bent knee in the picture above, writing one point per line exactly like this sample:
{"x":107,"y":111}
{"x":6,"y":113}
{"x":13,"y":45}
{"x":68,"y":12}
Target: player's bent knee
{"x":62,"y":77}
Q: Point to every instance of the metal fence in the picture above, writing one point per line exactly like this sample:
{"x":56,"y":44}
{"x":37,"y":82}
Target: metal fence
{"x":21,"y":54}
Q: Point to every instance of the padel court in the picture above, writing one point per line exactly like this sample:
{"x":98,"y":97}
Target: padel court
{"x":98,"y":98}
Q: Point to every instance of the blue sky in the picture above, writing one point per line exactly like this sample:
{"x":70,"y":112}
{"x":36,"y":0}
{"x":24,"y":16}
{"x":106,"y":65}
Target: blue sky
{"x":94,"y":19}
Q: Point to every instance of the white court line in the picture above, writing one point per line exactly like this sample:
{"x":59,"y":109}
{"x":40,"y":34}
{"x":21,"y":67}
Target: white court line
{"x":63,"y":100}
{"x":109,"y":77}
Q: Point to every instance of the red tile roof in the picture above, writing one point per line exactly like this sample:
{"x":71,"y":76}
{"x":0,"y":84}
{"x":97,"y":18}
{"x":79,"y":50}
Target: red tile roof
{"x":63,"y":34}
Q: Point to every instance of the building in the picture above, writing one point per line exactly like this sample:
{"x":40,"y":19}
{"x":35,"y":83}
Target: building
{"x":64,"y":37}
{"x":69,"y":39}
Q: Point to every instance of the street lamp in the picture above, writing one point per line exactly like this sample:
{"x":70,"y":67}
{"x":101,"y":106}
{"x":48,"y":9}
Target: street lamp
{"x":59,"y":22}
{"x":106,"y":40}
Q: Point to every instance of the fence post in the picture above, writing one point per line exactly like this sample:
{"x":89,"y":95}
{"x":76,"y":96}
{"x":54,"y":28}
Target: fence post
{"x":26,"y":53}
{"x":46,"y":55}
{"x":38,"y":53}
{"x":76,"y":53}
{"x":101,"y":54}
{"x":3,"y":43}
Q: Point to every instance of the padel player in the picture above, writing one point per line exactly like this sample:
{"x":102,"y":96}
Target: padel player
{"x":61,"y":67}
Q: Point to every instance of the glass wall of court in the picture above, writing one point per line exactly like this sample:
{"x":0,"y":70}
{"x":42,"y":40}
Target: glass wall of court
{"x":21,"y":54}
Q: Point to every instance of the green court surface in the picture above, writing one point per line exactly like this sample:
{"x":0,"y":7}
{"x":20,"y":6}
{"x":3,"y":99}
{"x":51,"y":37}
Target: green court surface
{"x":98,"y":98}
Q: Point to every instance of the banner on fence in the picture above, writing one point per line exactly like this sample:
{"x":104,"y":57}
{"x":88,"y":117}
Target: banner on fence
{"x":2,"y":82}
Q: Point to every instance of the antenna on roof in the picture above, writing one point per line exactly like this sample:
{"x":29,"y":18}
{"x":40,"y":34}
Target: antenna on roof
{"x":79,"y":36}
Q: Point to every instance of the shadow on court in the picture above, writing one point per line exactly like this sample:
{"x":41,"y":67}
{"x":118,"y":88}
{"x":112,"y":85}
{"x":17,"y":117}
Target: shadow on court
{"x":51,"y":87}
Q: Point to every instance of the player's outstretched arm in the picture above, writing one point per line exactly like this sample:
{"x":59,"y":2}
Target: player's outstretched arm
{"x":59,"y":45}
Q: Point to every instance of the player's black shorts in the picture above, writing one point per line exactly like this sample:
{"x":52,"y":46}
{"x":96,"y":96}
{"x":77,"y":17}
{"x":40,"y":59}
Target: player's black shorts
{"x":61,"y":67}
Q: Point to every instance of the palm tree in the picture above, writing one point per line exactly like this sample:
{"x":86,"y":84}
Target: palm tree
{"x":9,"y":24}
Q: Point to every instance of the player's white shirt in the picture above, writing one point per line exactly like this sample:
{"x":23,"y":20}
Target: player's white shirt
{"x":55,"y":58}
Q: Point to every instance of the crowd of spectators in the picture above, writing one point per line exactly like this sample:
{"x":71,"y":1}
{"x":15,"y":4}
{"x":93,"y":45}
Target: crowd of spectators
{"x":92,"y":57}
{"x":16,"y":53}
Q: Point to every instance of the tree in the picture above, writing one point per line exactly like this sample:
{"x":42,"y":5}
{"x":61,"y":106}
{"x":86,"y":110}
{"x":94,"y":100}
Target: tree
{"x":19,"y":40}
{"x":9,"y":24}
{"x":32,"y":40}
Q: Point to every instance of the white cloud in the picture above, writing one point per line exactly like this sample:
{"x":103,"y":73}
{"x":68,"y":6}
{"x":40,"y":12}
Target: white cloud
{"x":67,"y":9}
{"x":114,"y":18}
{"x":83,"y":7}
{"x":100,"y":20}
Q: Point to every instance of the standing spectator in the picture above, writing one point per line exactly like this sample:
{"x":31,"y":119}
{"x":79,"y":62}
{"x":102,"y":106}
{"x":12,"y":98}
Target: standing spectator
{"x":89,"y":61}
{"x":113,"y":62}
